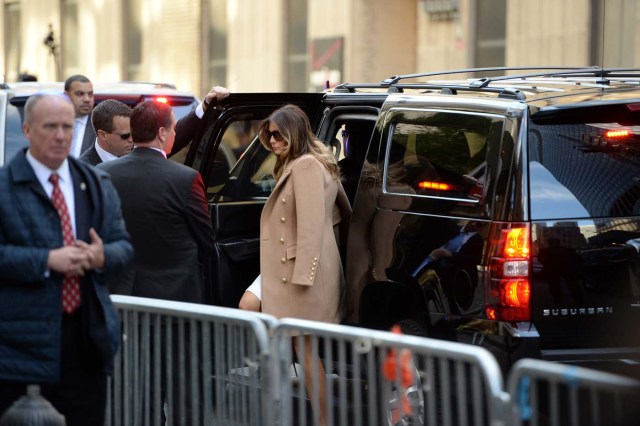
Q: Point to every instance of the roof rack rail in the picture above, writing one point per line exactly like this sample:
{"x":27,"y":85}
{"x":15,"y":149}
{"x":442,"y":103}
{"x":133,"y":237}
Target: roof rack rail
{"x":393,"y":85}
{"x":447,"y":89}
{"x":396,"y":78}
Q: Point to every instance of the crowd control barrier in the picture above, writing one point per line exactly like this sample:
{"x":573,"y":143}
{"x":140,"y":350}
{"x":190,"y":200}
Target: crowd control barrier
{"x":381,"y":378}
{"x":187,"y":364}
{"x":178,"y":362}
{"x":545,"y":393}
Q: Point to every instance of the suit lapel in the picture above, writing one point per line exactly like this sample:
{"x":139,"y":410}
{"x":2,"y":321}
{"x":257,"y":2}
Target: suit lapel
{"x":283,"y":178}
{"x":89,"y":136}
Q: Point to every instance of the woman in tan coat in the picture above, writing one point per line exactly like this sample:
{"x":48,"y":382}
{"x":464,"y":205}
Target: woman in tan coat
{"x":300,"y":263}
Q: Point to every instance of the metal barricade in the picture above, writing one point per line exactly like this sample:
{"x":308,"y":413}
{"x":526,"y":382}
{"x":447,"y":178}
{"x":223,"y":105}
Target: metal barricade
{"x":189,"y":364}
{"x":547,"y":393}
{"x":339,"y":375}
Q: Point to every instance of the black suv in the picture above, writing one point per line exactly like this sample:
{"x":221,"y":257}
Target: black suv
{"x":502,"y":212}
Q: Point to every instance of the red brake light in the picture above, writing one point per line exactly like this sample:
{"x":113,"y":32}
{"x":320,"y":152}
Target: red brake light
{"x":507,"y":288}
{"x":515,"y":293}
{"x":617,"y":134}
{"x":438,"y":186}
{"x":162,"y":100}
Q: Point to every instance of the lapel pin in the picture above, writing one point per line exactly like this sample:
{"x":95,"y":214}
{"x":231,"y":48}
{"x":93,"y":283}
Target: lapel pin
{"x":83,"y":186}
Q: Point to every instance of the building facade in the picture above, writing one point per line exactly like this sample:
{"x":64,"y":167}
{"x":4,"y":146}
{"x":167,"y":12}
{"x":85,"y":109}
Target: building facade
{"x":299,"y":45}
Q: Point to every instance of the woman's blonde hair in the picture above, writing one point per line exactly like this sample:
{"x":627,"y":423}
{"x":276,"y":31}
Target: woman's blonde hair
{"x":293,"y":124}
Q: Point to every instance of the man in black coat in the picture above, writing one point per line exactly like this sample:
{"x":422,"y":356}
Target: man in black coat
{"x":61,"y":238}
{"x":165,"y":210}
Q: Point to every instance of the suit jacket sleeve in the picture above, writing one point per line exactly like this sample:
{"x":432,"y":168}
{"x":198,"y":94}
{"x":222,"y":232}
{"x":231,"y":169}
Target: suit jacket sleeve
{"x":198,"y":217}
{"x":308,"y":189}
{"x":186,"y":128}
{"x":118,"y":251}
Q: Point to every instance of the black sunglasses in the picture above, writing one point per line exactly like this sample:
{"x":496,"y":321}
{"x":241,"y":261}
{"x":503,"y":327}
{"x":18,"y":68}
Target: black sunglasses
{"x":275,"y":134}
{"x":123,"y":136}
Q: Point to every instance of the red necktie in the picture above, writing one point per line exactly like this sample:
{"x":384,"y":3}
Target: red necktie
{"x":70,"y":283}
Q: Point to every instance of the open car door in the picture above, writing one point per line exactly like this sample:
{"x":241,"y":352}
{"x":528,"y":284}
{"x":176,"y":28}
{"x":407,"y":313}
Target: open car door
{"x":236,"y":171}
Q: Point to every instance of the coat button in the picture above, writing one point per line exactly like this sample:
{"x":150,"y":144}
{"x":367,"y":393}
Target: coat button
{"x":284,"y":280}
{"x":283,"y":260}
{"x":281,"y":240}
{"x":315,"y":258}
{"x":282,"y":219}
{"x":284,"y":200}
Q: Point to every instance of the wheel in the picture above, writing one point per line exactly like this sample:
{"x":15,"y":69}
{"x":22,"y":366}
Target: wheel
{"x":398,"y":397}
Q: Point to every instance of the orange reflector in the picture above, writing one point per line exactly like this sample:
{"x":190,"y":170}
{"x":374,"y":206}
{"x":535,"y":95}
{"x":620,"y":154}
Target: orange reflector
{"x":439,"y":186}
{"x":162,"y":100}
{"x":516,"y":243}
{"x":617,"y":134}
{"x":515,"y":293}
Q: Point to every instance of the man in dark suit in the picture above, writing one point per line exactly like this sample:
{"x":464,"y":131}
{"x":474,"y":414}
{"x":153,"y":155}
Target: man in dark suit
{"x":165,"y":209}
{"x":166,"y":212}
{"x":79,"y":89}
{"x":61,"y":235}
{"x":111,"y":122}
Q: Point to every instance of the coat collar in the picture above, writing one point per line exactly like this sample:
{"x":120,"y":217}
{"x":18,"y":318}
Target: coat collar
{"x":22,"y":173}
{"x":287,"y":171}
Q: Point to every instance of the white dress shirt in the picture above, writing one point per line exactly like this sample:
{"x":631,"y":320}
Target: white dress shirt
{"x":64,"y":181}
{"x":80,"y":126}
{"x":103,"y":154}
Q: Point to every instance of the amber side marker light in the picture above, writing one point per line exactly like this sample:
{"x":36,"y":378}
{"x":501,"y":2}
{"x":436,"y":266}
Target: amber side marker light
{"x":438,"y":186}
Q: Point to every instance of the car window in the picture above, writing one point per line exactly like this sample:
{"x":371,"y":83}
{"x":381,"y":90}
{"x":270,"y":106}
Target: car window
{"x":14,"y":138}
{"x":442,"y":157}
{"x":584,"y":170}
{"x":254,"y":178}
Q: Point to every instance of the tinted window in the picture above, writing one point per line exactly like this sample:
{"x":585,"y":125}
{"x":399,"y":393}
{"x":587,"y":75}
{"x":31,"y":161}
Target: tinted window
{"x":253,"y":177}
{"x":579,"y":170}
{"x":443,"y":156}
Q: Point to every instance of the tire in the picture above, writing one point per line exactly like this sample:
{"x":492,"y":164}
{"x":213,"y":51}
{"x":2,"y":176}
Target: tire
{"x":412,"y":328}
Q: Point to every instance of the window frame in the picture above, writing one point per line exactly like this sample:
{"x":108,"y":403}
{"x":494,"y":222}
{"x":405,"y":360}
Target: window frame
{"x":420,"y":116}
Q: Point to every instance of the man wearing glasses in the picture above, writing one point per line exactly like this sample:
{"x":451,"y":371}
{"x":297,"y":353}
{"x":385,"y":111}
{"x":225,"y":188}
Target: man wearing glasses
{"x":110,"y":120}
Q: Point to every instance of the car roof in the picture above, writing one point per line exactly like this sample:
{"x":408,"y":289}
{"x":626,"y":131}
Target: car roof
{"x":26,"y":89}
{"x":542,"y":87}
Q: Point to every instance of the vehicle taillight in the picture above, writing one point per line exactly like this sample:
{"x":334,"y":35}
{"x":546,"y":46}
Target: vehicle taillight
{"x":508,"y":282}
{"x":162,"y":100}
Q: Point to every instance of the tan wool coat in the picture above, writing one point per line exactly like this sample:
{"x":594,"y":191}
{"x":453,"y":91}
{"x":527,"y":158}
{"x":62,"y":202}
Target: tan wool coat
{"x":299,"y":257}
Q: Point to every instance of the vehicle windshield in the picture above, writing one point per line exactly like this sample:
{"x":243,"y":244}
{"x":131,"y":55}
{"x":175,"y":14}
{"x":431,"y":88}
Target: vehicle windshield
{"x":584,"y":169}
